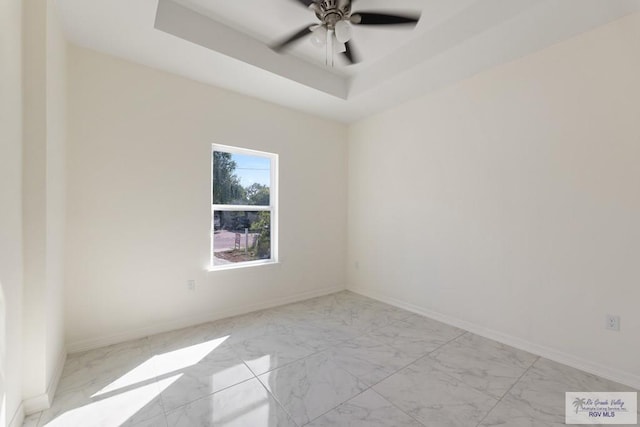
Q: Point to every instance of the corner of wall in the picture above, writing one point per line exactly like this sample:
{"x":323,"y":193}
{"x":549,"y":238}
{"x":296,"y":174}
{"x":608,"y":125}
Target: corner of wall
{"x":18,"y":417}
{"x":43,"y":197}
{"x":43,"y":401}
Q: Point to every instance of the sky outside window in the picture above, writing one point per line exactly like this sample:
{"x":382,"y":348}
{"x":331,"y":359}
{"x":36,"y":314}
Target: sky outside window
{"x":252,"y":169}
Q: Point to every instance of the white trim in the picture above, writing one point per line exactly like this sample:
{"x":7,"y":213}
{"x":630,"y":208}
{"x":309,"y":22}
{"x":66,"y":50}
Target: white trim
{"x":18,"y":417}
{"x":55,"y":380}
{"x":619,"y":376}
{"x":243,"y":151}
{"x":241,"y":208}
{"x":184,"y":322}
{"x":274,"y":200}
{"x":43,"y":401}
{"x":36,"y":404}
{"x":237,"y":265}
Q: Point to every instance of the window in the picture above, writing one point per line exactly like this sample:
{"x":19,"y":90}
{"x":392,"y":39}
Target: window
{"x":244,"y":207}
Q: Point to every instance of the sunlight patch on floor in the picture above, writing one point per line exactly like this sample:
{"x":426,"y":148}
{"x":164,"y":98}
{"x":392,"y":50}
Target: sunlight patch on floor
{"x":163,"y":364}
{"x":113,"y":410}
{"x":185,"y":357}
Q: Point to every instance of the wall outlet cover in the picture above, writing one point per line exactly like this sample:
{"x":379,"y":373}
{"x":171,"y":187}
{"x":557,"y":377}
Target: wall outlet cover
{"x":613,"y":322}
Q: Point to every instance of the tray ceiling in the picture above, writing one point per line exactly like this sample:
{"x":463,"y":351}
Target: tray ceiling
{"x":225,"y":43}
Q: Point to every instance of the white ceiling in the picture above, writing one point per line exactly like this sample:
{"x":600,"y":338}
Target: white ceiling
{"x":224,"y":43}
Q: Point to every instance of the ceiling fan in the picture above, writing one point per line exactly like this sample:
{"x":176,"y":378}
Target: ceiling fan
{"x":334,"y":29}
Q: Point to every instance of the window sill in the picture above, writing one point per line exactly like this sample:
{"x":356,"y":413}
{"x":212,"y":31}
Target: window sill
{"x":237,"y":266}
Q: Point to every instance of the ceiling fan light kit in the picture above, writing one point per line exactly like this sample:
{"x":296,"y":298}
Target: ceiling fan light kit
{"x":335,"y":32}
{"x":319,"y":36}
{"x":343,"y":31}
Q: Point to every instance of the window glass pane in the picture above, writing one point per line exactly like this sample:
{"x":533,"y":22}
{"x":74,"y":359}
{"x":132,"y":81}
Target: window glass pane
{"x":241,"y":236}
{"x":240,"y":179}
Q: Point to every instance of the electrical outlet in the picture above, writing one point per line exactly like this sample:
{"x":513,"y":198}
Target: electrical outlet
{"x":356,"y":265}
{"x":191,"y":285}
{"x":613,"y":322}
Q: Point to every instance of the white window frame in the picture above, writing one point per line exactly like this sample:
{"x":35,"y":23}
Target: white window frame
{"x":272,"y":208}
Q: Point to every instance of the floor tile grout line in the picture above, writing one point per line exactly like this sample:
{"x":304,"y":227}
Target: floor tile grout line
{"x":164,"y":409}
{"x":278,"y":402}
{"x":339,"y":404}
{"x":402,"y":368}
{"x":151,"y":353}
{"x":288,"y":363}
{"x":448,"y":375}
{"x":316,"y":353}
{"x":361,"y":334}
{"x":485,"y":392}
{"x":465,"y":332}
{"x":371,"y":387}
{"x":416,"y":361}
{"x":204,"y":396}
{"x":403,"y":321}
{"x":302,"y":358}
{"x":398,"y":408}
{"x":243,"y":362}
{"x":507,"y":392}
{"x":500,"y":362}
{"x":519,"y":378}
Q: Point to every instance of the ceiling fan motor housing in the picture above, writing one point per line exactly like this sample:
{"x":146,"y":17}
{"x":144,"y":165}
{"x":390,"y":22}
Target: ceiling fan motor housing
{"x":332,"y":11}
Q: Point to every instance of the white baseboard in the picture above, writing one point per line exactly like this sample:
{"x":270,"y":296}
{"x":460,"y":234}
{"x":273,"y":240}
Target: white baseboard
{"x":53,"y":383}
{"x":43,"y":401}
{"x":18,"y":417}
{"x":573,"y":361}
{"x":37,"y":403}
{"x":93,"y":343}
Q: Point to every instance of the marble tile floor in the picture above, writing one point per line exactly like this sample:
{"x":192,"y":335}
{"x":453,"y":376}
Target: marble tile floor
{"x":337,"y":360}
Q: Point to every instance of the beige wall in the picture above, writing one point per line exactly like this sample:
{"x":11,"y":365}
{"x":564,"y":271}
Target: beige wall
{"x":10,"y":212}
{"x":509,"y":203}
{"x":139,"y":201}
{"x":43,"y":201}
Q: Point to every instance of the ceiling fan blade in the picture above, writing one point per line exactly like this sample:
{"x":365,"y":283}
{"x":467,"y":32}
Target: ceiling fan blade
{"x":296,"y":36}
{"x":306,"y":3}
{"x":350,"y":54}
{"x":374,"y":18}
